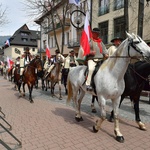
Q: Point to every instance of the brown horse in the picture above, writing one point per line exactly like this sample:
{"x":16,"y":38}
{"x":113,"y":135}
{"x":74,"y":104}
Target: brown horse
{"x":55,"y":77}
{"x":31,"y":71}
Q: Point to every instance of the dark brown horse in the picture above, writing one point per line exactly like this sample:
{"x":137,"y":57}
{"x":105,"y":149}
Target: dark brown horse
{"x":30,"y":74}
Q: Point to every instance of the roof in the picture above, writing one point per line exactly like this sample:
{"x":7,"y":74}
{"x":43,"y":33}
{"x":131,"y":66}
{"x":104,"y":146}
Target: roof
{"x":24,"y":37}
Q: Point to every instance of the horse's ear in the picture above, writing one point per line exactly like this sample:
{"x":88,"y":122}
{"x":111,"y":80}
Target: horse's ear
{"x":129,"y":35}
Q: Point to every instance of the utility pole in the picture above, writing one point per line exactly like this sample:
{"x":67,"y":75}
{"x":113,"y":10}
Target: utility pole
{"x":140,"y":18}
{"x":91,"y":5}
{"x":126,"y":15}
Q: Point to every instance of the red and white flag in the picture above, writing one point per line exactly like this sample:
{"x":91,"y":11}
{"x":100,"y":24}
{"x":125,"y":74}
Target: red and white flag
{"x":86,"y":35}
{"x":48,"y":54}
{"x":10,"y":63}
{"x":7,"y":42}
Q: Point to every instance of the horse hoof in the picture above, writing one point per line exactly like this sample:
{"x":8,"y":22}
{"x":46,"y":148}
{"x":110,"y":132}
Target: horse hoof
{"x":94,"y":111}
{"x":120,"y":139}
{"x":60,"y":98}
{"x":94,"y":129}
{"x":111,"y":119}
{"x":78,"y":119}
{"x":31,"y":101}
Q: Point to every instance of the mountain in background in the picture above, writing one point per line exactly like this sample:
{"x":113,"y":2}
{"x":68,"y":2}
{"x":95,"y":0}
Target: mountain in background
{"x":3,"y":39}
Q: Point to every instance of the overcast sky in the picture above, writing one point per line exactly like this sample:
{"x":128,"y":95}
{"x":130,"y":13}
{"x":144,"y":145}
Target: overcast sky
{"x":16,"y":17}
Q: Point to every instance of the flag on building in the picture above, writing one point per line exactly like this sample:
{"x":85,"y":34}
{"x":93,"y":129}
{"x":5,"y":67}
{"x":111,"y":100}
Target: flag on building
{"x":86,"y":35}
{"x":48,"y":54}
{"x":10,"y":63}
{"x":76,"y":2}
{"x":7,"y":42}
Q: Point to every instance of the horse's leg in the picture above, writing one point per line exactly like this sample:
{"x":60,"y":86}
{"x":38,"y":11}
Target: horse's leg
{"x":46,"y":84}
{"x":102,"y":103}
{"x":52,"y":88}
{"x":30,"y":87}
{"x":119,"y":136}
{"x":43,"y":85}
{"x":92,"y":104}
{"x":23,"y":86}
{"x":78,"y":116}
{"x":60,"y":96}
{"x":19,"y":89}
{"x":111,"y":118}
{"x":137,"y":115}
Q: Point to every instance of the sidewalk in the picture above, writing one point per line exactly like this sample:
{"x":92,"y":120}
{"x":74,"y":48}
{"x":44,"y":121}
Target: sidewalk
{"x":47,"y":125}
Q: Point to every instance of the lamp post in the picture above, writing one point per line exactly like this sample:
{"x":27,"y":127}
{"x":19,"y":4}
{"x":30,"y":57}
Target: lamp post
{"x":39,"y":42}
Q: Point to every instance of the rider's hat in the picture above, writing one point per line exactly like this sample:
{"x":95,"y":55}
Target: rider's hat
{"x":116,"y":38}
{"x":57,"y":51}
{"x":71,"y":51}
{"x":27,"y":49}
{"x":96,"y":30}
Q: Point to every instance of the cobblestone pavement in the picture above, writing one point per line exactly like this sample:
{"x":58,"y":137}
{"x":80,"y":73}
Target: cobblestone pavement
{"x":49,"y":124}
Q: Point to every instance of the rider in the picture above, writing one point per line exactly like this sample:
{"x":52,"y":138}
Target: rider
{"x":70,"y":60}
{"x":24,"y":60}
{"x":56,"y":58}
{"x":116,"y":42}
{"x":98,"y":53}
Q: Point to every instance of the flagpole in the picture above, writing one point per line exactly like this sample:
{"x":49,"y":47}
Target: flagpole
{"x":91,"y":13}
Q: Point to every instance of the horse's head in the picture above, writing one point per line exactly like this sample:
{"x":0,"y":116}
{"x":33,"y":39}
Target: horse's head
{"x":59,"y":58}
{"x":137,"y":47}
{"x":38,"y":66}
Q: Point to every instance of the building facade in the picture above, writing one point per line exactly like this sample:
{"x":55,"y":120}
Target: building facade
{"x":22,"y":38}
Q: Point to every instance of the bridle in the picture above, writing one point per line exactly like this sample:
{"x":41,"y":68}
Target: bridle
{"x":132,"y":44}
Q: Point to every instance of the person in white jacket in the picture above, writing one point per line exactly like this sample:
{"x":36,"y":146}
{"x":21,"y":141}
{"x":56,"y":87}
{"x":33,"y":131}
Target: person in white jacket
{"x":116,"y":42}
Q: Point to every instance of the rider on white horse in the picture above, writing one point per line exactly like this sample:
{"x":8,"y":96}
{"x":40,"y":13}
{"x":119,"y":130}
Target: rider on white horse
{"x":98,"y":53}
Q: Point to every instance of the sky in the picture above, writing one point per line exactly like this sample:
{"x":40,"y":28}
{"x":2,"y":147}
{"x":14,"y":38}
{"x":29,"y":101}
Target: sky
{"x":16,"y":17}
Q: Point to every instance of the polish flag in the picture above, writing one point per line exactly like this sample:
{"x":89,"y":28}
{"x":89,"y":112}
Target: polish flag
{"x":7,"y":42}
{"x":76,"y":2}
{"x":10,"y":63}
{"x":85,"y":37}
{"x":48,"y":54}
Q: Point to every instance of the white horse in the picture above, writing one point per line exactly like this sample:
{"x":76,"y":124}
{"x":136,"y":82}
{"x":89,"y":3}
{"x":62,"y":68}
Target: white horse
{"x":109,"y":80}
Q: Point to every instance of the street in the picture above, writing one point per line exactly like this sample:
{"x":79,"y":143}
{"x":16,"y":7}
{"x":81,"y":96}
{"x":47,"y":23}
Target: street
{"x":49,"y":124}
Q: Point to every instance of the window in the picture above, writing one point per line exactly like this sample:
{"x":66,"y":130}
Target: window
{"x":118,"y":4}
{"x":119,"y":27}
{"x":24,"y":39}
{"x":51,"y":42}
{"x":103,"y":7}
{"x":104,"y":31}
{"x":66,"y":38}
{"x":24,"y":34}
{"x":33,"y":49}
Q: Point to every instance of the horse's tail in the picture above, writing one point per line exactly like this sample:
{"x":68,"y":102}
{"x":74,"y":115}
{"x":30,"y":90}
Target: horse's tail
{"x":69,"y":88}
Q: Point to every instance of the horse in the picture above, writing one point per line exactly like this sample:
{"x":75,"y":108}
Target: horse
{"x":65,"y":72}
{"x":55,"y":77}
{"x":135,"y":79}
{"x":30,"y":74}
{"x":108,"y":81}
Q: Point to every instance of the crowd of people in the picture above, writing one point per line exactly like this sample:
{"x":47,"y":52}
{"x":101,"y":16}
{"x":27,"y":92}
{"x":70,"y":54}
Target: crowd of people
{"x":98,"y":54}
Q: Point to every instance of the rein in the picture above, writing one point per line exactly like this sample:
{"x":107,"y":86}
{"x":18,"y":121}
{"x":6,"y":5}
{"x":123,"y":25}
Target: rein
{"x":146,"y":79}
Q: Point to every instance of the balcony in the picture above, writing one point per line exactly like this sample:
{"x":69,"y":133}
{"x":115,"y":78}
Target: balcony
{"x":57,"y":26}
{"x":74,"y":43}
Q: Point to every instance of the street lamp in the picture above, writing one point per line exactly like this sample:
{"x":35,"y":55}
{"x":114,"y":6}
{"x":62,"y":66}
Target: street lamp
{"x":38,"y":33}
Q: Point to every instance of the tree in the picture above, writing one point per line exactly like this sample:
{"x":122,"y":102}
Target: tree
{"x":3,"y":19}
{"x":49,"y":10}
